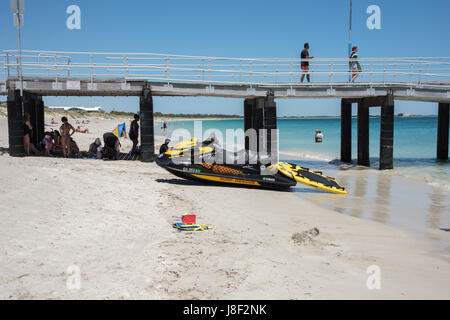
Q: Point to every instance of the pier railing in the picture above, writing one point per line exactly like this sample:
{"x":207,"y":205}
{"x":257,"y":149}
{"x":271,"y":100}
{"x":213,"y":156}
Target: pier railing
{"x":433,"y":71}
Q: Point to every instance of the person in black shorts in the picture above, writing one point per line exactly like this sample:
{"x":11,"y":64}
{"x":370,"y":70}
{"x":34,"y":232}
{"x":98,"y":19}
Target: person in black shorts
{"x":304,"y":55}
{"x":134,"y":132}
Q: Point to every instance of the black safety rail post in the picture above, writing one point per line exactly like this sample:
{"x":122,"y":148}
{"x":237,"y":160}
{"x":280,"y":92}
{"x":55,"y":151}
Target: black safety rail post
{"x":442,"y":131}
{"x":147,"y":130}
{"x":15,"y":124}
{"x":387,"y":133}
{"x":346,"y":131}
{"x":363,"y":133}
{"x":270,"y":122}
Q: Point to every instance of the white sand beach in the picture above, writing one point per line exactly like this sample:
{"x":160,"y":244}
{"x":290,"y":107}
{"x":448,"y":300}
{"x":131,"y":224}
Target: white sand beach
{"x":113,"y":221}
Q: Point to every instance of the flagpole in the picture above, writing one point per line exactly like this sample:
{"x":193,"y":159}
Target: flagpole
{"x":350,"y":37}
{"x":350,"y":31}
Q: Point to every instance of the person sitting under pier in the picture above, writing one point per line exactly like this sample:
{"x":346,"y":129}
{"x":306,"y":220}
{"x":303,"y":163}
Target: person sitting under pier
{"x":111,"y":149}
{"x":56,"y":148}
{"x":74,"y":150}
{"x":95,"y":149}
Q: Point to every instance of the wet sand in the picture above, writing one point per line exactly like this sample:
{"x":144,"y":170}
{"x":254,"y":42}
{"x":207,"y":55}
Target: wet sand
{"x":389,"y":198}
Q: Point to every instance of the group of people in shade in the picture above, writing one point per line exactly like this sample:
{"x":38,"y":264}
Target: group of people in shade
{"x":61,"y":144}
{"x":354,"y":64}
{"x":57,"y":143}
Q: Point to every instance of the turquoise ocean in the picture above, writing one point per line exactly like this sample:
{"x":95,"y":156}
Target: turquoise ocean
{"x":418,"y":185}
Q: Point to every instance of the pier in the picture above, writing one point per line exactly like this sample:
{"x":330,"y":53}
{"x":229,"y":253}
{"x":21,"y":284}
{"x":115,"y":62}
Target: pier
{"x":260,"y":82}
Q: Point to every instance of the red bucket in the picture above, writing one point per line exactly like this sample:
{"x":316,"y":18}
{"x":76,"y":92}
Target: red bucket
{"x":188,"y":218}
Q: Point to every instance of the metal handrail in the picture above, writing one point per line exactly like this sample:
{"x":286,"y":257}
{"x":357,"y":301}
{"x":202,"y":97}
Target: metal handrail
{"x":199,"y":69}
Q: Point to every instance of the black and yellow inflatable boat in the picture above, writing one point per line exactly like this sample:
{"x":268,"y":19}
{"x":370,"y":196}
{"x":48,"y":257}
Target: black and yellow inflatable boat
{"x":199,"y":162}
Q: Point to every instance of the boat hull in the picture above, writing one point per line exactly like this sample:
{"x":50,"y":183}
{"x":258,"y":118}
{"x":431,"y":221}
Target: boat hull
{"x":197,"y":172}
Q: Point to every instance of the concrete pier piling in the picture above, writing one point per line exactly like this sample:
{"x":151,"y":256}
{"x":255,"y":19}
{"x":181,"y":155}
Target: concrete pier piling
{"x":147,"y":127}
{"x":346,"y":131}
{"x":442,"y":131}
{"x":249,"y":106}
{"x":260,"y":114}
{"x":387,"y":134}
{"x":34,"y":106}
{"x":363,"y":133}
{"x":40,"y":119}
{"x":270,"y":123}
{"x":15,"y":124}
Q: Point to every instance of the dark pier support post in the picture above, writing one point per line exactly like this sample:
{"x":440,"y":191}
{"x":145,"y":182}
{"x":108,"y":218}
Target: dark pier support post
{"x":363,"y":133}
{"x":346,"y":131}
{"x":249,"y":106}
{"x":387,"y":134}
{"x":34,"y":106}
{"x":15,"y":124}
{"x":147,"y":132}
{"x":30,"y":108}
{"x":261,"y":113}
{"x":258,"y":123}
{"x":442,"y":131}
{"x":40,"y":126}
{"x":270,"y":123}
{"x":253,"y":120}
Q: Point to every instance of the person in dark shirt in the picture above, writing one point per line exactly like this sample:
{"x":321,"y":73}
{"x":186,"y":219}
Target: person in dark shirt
{"x":134,"y":132}
{"x":304,"y":55}
{"x":164,"y":147}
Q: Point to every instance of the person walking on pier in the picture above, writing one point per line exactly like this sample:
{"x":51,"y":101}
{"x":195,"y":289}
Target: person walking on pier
{"x":66,"y":140}
{"x":134,"y":132}
{"x":355,"y":67}
{"x":304,"y":56}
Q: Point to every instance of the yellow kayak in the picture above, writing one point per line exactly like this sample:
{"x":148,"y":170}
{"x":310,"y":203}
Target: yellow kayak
{"x":310,"y":178}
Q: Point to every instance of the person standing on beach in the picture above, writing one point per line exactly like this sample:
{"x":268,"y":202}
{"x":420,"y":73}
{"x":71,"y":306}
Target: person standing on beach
{"x":304,"y":56}
{"x":354,"y":65}
{"x":65,"y":129}
{"x":27,"y":133}
{"x":134,"y":132}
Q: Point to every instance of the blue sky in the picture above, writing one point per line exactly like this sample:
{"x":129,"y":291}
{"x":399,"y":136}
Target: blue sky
{"x":233,"y":29}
